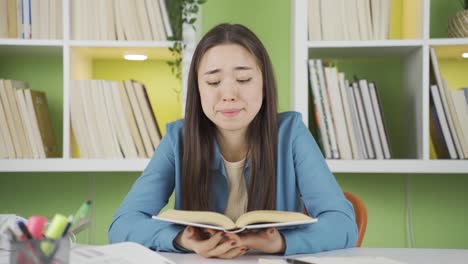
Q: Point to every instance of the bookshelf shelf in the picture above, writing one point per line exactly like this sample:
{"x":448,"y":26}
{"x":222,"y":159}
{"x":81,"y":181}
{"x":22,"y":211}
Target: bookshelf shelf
{"x":100,"y":43}
{"x":369,"y":43}
{"x":31,"y":42}
{"x":448,"y":41}
{"x":72,"y":165}
{"x":138,"y":165}
{"x":398,"y":166}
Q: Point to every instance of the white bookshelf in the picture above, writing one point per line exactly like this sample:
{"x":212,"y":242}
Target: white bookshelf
{"x":66,"y":48}
{"x":414,"y":54}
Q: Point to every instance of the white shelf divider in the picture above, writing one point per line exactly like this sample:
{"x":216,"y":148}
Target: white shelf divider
{"x":121,"y":44}
{"x":31,"y":42}
{"x":448,"y":41}
{"x":299,"y":59}
{"x":365,"y":43}
{"x":72,"y":165}
{"x":413,"y":166}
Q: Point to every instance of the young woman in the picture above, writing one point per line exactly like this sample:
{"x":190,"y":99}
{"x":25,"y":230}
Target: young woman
{"x":233,"y":153}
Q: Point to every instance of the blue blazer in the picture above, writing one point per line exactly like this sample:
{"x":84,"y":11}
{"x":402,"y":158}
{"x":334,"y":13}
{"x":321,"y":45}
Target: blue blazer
{"x":303,"y":180}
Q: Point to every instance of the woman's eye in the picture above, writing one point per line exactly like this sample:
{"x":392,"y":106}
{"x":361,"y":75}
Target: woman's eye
{"x":213,"y":83}
{"x":244,"y":80}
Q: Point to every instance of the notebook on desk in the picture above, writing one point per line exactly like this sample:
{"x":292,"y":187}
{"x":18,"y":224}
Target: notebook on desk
{"x":121,"y":253}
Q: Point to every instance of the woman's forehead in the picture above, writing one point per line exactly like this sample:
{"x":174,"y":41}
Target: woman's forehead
{"x":228,"y":57}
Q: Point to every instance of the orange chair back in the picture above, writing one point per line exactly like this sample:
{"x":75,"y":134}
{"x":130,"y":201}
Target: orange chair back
{"x":361,"y":215}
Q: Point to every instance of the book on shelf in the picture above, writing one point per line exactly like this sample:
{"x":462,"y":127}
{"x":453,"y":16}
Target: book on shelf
{"x":319,"y":109}
{"x":445,"y":115}
{"x":456,"y":128}
{"x":356,"y":126}
{"x":465,"y":90}
{"x":113,"y":119}
{"x":362,"y":120}
{"x":27,"y":130}
{"x":325,"y":96}
{"x":349,"y":116}
{"x":381,"y":125}
{"x":31,"y":19}
{"x":336,"y":104}
{"x":460,"y":106}
{"x":145,"y":20}
{"x":442,"y":136}
{"x":349,"y":19}
{"x":250,"y":220}
{"x":437,"y":130}
{"x":371,"y":118}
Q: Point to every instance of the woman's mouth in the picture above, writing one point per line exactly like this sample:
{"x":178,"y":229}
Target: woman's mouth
{"x":230,"y":112}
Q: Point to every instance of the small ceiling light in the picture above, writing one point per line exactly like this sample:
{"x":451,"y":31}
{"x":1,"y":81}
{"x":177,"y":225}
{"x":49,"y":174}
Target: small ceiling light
{"x":465,"y":55}
{"x":135,"y":57}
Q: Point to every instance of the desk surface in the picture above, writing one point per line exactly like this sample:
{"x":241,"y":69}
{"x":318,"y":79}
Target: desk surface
{"x":407,"y":255}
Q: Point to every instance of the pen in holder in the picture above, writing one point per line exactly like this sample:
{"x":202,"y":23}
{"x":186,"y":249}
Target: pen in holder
{"x":30,"y":252}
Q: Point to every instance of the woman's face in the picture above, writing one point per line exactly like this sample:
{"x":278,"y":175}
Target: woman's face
{"x":230,"y":84}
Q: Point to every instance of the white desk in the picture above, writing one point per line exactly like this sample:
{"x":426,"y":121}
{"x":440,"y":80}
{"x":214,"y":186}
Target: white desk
{"x":407,"y":255}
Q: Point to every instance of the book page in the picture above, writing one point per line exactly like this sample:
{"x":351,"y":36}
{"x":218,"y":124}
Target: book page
{"x":197,"y":217}
{"x":264,"y":217}
{"x":349,"y":260}
{"x":122,"y":253}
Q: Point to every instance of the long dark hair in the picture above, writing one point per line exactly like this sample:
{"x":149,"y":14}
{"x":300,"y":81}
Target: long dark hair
{"x":200,"y":132}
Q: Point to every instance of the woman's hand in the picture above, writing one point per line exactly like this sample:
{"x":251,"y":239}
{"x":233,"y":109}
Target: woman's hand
{"x":266,"y":240}
{"x":210,"y":243}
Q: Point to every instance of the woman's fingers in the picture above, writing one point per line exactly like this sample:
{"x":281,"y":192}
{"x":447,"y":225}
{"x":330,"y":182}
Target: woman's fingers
{"x":223,"y":248}
{"x":203,"y":247}
{"x":234,"y":253}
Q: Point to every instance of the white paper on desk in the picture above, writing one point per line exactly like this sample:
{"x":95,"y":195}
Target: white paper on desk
{"x":119,"y":253}
{"x":349,"y":260}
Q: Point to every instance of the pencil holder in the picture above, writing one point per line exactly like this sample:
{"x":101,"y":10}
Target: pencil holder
{"x":43,"y":251}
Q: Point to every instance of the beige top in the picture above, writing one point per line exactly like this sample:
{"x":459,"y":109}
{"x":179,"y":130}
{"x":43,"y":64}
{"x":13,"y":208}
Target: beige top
{"x":237,"y":201}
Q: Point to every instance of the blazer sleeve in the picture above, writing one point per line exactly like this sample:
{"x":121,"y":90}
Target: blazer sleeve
{"x":148,"y":195}
{"x":322,"y":197}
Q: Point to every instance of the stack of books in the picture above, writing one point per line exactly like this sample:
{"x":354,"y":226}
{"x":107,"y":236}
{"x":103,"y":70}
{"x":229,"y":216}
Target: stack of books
{"x":31,"y":19}
{"x":348,"y":115}
{"x":26,"y":129}
{"x":448,"y":116}
{"x":146,"y":20}
{"x":113,"y":119}
{"x":349,"y":19}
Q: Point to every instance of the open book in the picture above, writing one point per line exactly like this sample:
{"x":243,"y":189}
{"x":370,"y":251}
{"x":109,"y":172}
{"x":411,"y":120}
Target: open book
{"x":250,"y":220}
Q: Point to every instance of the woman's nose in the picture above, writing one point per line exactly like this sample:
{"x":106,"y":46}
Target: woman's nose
{"x":229,"y":93}
{"x":229,"y":98}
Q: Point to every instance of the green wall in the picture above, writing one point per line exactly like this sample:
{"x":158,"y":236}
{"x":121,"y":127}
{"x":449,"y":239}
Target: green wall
{"x":441,"y":11}
{"x":438,"y":202}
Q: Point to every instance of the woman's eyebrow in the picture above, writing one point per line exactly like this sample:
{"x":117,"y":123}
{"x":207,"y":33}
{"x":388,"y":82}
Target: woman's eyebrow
{"x":212,"y":71}
{"x":241,"y":68}
{"x":237,"y":68}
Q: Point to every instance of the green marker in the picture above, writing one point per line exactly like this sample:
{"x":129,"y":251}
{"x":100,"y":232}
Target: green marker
{"x":54,"y":231}
{"x":82,"y":211}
